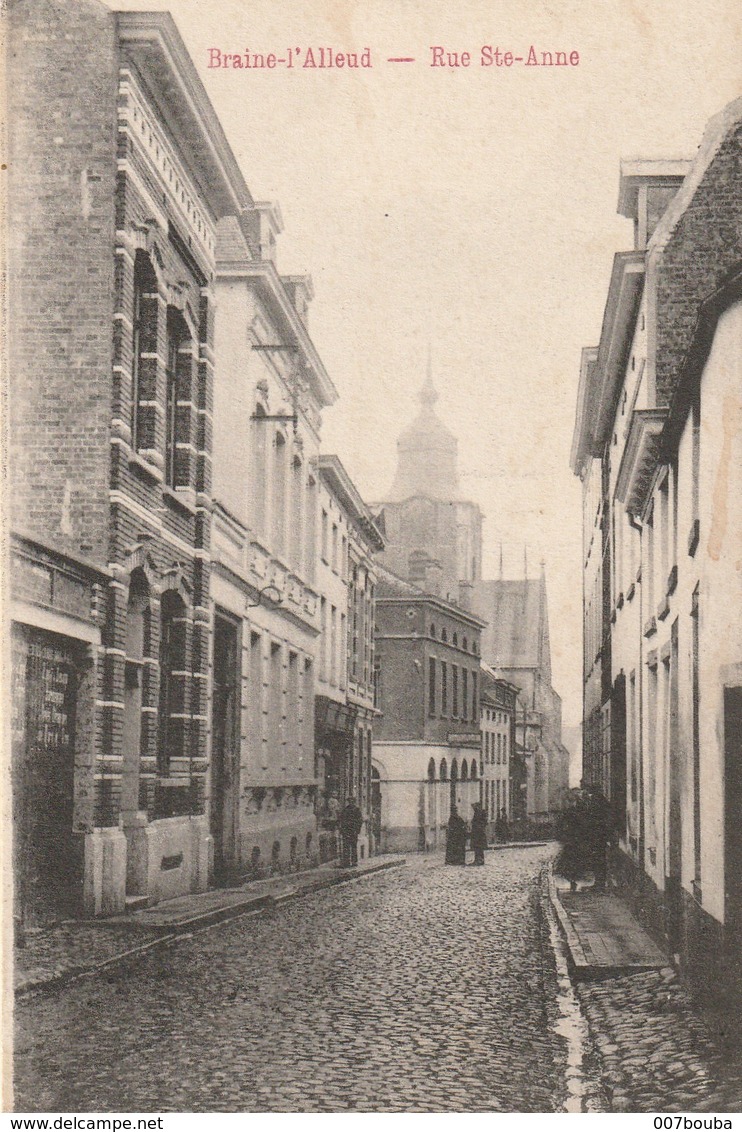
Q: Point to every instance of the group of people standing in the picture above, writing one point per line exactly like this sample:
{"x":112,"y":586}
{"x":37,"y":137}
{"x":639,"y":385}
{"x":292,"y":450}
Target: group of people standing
{"x":458,"y":832}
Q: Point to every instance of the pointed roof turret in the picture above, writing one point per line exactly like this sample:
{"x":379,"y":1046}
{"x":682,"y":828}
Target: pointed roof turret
{"x":427,"y":452}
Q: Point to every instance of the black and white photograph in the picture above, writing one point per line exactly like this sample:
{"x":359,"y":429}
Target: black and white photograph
{"x":372,"y":575}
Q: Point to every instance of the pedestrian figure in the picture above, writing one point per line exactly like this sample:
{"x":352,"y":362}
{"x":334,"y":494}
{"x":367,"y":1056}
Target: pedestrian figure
{"x":456,"y":839}
{"x":598,"y":830}
{"x":502,"y":828}
{"x":351,"y":823}
{"x":572,"y":831}
{"x":479,"y":833}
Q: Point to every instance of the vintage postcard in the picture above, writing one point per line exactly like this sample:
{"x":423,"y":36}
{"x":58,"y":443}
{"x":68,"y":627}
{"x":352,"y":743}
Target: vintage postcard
{"x":372,"y":589}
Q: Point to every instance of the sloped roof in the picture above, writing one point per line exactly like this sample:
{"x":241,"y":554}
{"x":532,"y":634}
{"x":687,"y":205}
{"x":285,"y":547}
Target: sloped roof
{"x":517,"y":633}
{"x":230,"y":242}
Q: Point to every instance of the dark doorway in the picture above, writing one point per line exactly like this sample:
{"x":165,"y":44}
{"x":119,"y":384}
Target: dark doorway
{"x":375,"y":810}
{"x":618,"y":753}
{"x":47,"y":855}
{"x":225,"y":746}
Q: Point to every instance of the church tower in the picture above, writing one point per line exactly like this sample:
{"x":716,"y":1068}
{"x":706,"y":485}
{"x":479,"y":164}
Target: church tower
{"x":433,"y":535}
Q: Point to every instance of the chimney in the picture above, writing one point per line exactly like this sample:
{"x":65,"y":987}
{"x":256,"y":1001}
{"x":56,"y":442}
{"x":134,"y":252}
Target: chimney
{"x":645,"y":190}
{"x":300,"y":290}
{"x":260,"y":225}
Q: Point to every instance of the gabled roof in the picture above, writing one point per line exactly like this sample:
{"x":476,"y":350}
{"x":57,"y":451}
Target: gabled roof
{"x":331,"y":469}
{"x":517,"y":633}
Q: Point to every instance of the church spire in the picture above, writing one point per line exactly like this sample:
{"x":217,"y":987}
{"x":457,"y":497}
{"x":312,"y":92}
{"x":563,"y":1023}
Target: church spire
{"x":428,"y":395}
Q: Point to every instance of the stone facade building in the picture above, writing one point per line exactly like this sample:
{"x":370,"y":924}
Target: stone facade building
{"x":657,"y":427}
{"x":271,"y":387}
{"x":427,"y":749}
{"x":119,"y":172}
{"x":344,"y":704}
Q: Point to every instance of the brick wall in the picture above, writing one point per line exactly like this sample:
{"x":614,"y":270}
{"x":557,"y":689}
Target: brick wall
{"x":62,"y":64}
{"x":701,"y":251}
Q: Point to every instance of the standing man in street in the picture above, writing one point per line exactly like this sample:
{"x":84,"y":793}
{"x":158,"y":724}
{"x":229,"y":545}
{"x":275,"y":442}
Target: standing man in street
{"x":479,"y":833}
{"x":351,"y":822}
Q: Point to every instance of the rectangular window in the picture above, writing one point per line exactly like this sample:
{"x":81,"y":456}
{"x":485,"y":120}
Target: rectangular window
{"x":474,"y":703}
{"x":333,"y":645}
{"x":335,"y":547}
{"x":323,"y":639}
{"x":444,"y":688}
{"x":454,"y":691}
{"x":464,"y":692}
{"x":343,"y":644}
{"x":432,"y":675}
{"x":324,"y":535}
{"x":293,"y":729}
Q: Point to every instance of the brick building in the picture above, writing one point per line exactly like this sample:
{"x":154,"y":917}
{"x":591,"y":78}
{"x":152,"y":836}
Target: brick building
{"x":658,"y":428}
{"x":427,"y":742}
{"x":118,"y":173}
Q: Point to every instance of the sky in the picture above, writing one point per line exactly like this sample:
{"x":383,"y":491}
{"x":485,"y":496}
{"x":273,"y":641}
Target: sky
{"x":469,"y":209}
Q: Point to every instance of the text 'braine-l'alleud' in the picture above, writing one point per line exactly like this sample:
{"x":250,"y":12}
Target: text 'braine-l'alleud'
{"x":436,"y":56}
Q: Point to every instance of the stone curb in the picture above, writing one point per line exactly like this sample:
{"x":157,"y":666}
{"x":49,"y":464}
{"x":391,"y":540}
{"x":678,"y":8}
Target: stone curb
{"x":253,"y":904}
{"x":575,"y":955}
{"x":580,"y":969}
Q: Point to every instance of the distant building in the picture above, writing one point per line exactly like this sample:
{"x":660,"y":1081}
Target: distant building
{"x":344,"y":703}
{"x":434,"y":541}
{"x":503,"y":789}
{"x":657,"y":445}
{"x":516,"y":644}
{"x":427,"y":740}
{"x":433,"y":534}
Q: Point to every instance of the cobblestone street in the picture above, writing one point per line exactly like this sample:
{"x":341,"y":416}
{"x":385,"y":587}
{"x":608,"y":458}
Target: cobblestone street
{"x":429,"y":988}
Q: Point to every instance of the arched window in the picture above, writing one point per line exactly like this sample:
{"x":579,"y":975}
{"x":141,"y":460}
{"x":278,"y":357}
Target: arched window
{"x":257,"y":490}
{"x":431,"y":771}
{"x":310,"y":543}
{"x":456,"y":639}
{"x":465,"y":644}
{"x":444,"y":635}
{"x":279,"y":493}
{"x":473,"y":771}
{"x":432,"y":630}
{"x":454,"y":771}
{"x":172,"y":675}
{"x":464,"y":771}
{"x":444,"y":771}
{"x":297,"y":517}
{"x":144,"y":341}
{"x":177,"y":372}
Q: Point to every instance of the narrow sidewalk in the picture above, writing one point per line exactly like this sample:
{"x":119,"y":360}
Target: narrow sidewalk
{"x":79,"y":947}
{"x":603,"y":936}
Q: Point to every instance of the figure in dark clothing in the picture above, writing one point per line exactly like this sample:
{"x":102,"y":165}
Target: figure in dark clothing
{"x":502,"y":827}
{"x":456,"y":839}
{"x":351,"y":823}
{"x":599,"y":829}
{"x":572,"y":831}
{"x":479,"y":833}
